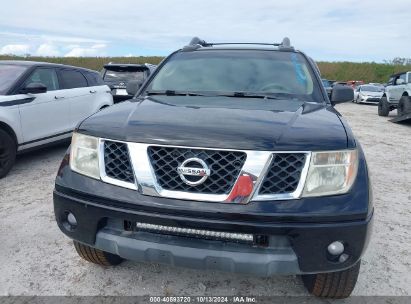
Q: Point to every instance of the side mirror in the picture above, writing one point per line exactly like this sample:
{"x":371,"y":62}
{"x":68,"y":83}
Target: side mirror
{"x":399,"y":81}
{"x":133,"y":86}
{"x":34,"y":88}
{"x":341,"y":94}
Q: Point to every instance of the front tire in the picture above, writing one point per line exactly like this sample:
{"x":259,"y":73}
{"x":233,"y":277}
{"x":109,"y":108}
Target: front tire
{"x":383,"y":107}
{"x":96,"y":256}
{"x":333,"y":285}
{"x":8,"y":153}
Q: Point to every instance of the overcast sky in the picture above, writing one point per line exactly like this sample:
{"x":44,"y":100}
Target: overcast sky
{"x":359,"y":30}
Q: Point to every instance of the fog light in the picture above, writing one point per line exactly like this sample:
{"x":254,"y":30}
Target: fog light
{"x":336,"y":248}
{"x":71,"y":219}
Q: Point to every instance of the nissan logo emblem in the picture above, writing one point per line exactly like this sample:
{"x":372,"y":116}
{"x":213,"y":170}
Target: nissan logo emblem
{"x":193,"y":171}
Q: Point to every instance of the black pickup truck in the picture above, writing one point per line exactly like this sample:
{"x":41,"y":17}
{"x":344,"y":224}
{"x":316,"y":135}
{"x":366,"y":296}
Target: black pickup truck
{"x":229,"y":157}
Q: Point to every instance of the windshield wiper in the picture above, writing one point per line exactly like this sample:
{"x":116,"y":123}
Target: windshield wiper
{"x":277,"y":96}
{"x":249,"y":95}
{"x":239,"y":94}
{"x":174,"y":93}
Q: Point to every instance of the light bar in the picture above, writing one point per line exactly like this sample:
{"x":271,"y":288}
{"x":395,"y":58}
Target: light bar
{"x":197,"y":232}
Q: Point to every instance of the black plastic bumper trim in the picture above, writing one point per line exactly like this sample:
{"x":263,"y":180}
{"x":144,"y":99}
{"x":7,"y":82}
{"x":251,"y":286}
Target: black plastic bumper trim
{"x":308,"y":240}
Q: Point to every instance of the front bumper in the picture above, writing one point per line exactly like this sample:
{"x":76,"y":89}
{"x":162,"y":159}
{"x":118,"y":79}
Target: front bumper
{"x":198,"y":254}
{"x":370,"y":100}
{"x":294,"y":247}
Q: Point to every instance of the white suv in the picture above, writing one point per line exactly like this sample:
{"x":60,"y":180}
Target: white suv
{"x":396,"y":94}
{"x":41,"y":103}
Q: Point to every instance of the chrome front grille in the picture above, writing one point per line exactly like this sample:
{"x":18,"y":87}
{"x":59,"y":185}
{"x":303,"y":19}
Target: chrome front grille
{"x":284,"y":173}
{"x":238,"y":176}
{"x":117,"y":163}
{"x":225,"y":167}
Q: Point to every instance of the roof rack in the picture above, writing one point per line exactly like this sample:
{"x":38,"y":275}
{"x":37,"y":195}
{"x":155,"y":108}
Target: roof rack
{"x":196,"y":43}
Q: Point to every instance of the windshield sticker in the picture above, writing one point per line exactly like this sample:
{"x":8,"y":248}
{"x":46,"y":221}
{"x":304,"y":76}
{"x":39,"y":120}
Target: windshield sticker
{"x":299,"y":72}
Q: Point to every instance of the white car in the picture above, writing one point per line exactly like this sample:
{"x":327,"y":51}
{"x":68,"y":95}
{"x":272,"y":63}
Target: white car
{"x":368,"y":93}
{"x":41,"y":103}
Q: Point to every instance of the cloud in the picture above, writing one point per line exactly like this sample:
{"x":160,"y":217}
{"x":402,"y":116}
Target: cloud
{"x":72,"y":46}
{"x":50,"y":38}
{"x":46,"y":49}
{"x":50,"y":45}
{"x":99,"y":46}
{"x":15,"y":49}
{"x":93,"y":51}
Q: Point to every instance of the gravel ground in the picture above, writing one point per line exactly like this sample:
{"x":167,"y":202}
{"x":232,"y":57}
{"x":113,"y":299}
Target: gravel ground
{"x":37,"y":259}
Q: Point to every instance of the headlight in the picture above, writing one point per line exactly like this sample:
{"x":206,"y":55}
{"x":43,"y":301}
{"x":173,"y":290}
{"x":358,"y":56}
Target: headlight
{"x":84,"y":158}
{"x":331,"y":173}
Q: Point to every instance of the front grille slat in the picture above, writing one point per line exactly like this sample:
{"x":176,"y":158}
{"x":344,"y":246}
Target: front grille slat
{"x":225,"y":168}
{"x":117,"y":161}
{"x":284,"y":173}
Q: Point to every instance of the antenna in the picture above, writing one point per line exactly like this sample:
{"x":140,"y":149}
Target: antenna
{"x":197,"y":41}
{"x":286,"y":44}
{"x":194,"y":44}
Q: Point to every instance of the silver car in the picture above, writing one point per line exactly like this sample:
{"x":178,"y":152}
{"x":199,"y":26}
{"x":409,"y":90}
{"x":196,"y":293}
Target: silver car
{"x":367,"y":93}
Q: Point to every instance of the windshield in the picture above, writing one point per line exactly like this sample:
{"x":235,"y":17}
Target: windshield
{"x":372,"y":89}
{"x":8,"y":75}
{"x":118,"y":76}
{"x":230,"y":71}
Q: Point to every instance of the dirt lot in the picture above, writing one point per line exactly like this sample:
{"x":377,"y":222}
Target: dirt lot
{"x":37,"y":259}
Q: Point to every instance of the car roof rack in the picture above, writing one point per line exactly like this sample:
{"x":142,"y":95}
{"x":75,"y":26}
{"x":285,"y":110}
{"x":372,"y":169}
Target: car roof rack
{"x":197,"y":43}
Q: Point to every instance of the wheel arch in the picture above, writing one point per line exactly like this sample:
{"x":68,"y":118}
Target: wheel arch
{"x":9,"y":131}
{"x":105,"y":102}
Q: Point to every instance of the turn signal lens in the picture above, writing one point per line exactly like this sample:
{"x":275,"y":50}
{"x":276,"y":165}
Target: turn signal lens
{"x":243,"y":188}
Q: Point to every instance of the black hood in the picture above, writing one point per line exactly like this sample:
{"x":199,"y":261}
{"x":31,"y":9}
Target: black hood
{"x":221,"y":122}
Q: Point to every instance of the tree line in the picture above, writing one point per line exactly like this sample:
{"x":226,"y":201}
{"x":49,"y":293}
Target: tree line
{"x":341,"y":71}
